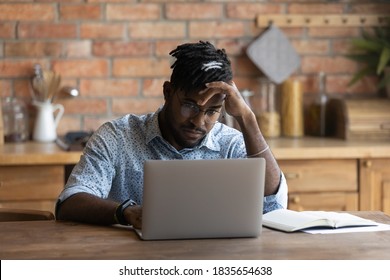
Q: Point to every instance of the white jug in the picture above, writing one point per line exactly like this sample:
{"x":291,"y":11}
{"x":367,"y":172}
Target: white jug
{"x":45,"y":129}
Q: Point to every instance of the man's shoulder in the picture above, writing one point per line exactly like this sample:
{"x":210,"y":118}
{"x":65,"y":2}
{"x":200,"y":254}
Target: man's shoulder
{"x":223,"y":130}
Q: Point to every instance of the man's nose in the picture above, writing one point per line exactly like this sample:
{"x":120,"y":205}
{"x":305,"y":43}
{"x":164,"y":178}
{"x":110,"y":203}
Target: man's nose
{"x":199,"y":120}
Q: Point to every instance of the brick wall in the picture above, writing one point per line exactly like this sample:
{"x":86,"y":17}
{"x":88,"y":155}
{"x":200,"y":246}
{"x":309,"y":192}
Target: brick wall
{"x":116,"y":51}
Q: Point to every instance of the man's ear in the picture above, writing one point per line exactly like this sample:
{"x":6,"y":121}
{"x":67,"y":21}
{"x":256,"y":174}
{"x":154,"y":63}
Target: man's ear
{"x":167,"y":90}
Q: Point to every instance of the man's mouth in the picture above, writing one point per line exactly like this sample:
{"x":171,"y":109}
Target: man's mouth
{"x":192,"y":133}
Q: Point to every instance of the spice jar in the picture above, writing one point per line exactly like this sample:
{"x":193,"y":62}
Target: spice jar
{"x":15,"y":120}
{"x":268,"y":117}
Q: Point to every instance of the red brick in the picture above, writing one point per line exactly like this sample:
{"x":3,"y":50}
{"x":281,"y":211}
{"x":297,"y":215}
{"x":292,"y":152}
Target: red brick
{"x":7,"y":30}
{"x":251,"y":10}
{"x":141,"y":67}
{"x":81,"y":68}
{"x":48,"y":30}
{"x":120,"y":48}
{"x":80,"y":12}
{"x":314,"y":8}
{"x":22,"y":88}
{"x":370,"y":8}
{"x":213,"y":29}
{"x":163,"y":48}
{"x":32,"y":49}
{"x":193,"y":11}
{"x":339,"y":84}
{"x":93,"y":123}
{"x":68,"y":123}
{"x":157,"y":30}
{"x":81,"y":48}
{"x":311,"y":46}
{"x":233,"y":47}
{"x":153,"y":87}
{"x":333,"y":32}
{"x":85,"y":106}
{"x":102,"y":31}
{"x":108,"y":87}
{"x":133,"y":11}
{"x":342,"y":46}
{"x":135,"y":105}
{"x":27,"y":12}
{"x":10,"y":68}
{"x":243,"y":66}
{"x":338,"y":64}
{"x":5,"y":88}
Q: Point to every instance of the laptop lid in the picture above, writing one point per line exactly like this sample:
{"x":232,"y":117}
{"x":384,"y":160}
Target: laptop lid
{"x":185,"y":199}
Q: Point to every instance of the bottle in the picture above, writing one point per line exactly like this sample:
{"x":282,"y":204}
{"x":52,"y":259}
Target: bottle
{"x":268,"y":118}
{"x":292,"y":108}
{"x":316,"y":116}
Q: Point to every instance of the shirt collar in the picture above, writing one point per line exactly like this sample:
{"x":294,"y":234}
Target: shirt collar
{"x":153,"y":131}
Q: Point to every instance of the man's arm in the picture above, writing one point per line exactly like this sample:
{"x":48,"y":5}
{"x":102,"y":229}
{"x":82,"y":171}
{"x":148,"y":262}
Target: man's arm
{"x":87,"y":208}
{"x":255,"y":143}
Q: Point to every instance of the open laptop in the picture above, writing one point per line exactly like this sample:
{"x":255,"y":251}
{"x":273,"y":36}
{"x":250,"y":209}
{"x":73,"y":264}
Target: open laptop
{"x":188,"y":199}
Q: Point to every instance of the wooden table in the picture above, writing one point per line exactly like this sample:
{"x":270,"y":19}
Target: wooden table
{"x":68,"y":240}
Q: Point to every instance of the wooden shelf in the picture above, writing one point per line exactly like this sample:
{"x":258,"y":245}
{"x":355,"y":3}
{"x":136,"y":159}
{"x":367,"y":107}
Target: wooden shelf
{"x":321,"y":20}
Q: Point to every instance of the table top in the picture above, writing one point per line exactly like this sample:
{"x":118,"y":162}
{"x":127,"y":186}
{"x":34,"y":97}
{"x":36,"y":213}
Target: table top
{"x":69,"y":240}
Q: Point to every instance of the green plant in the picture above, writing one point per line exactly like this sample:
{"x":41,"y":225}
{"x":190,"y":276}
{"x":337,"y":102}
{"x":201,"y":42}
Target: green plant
{"x":372,"y":50}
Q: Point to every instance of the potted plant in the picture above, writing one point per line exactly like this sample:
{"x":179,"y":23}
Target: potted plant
{"x":373,"y":50}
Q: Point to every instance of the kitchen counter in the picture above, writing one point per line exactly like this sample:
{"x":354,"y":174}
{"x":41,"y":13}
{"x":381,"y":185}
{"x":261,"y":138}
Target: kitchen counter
{"x":322,"y":173}
{"x":283,"y":149}
{"x":327,"y":148}
{"x":35,"y":153}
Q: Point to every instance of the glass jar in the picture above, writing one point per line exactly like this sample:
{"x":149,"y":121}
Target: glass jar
{"x":268,"y":117}
{"x":15,"y":120}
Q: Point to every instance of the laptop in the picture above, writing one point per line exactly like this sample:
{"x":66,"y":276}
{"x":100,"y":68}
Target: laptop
{"x":191,"y":199}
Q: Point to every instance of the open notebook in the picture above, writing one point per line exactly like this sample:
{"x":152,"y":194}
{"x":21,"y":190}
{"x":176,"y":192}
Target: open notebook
{"x":185,"y":199}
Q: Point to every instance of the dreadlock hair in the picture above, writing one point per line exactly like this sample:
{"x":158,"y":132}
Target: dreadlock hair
{"x":197,"y":64}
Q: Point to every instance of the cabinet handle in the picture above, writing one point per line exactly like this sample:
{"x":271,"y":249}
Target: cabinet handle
{"x":367,"y":163}
{"x":385,"y":126}
{"x":292,"y":175}
{"x":295,"y":199}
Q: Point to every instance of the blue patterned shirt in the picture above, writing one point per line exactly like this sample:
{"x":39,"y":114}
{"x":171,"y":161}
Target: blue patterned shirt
{"x":111,"y":166}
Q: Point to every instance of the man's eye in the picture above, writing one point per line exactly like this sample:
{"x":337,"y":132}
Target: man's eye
{"x":211,"y":112}
{"x":190,"y":106}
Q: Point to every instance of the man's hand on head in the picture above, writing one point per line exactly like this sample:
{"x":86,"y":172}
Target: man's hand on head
{"x":235,"y":104}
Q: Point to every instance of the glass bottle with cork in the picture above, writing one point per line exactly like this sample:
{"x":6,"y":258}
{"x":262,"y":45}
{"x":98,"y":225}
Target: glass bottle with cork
{"x":316,"y":113}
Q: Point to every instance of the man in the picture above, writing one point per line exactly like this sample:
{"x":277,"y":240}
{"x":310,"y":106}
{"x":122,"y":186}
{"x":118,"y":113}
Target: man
{"x":105,"y":187}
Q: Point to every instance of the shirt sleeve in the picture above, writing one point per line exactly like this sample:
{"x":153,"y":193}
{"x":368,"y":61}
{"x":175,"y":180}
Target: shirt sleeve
{"x":94,"y":172}
{"x":278,"y":200}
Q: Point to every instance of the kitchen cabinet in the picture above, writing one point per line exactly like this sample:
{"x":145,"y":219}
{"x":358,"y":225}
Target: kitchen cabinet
{"x":375,"y":184}
{"x":32,"y":175}
{"x":30,"y":187}
{"x":335,"y":175}
{"x":327,"y":184}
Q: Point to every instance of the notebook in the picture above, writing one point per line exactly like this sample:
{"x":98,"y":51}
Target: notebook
{"x":191,"y":199}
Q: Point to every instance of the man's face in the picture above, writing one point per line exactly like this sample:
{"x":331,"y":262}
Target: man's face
{"x":186,"y":119}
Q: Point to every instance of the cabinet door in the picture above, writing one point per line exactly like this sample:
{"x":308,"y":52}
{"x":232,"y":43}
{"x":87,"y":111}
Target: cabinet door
{"x":323,"y":184}
{"x":33,"y":187}
{"x":327,"y":175}
{"x":324,"y":201}
{"x":375,"y":185}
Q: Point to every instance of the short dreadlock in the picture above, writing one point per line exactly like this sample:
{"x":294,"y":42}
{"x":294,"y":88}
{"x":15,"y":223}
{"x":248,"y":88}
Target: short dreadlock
{"x":197,"y":64}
